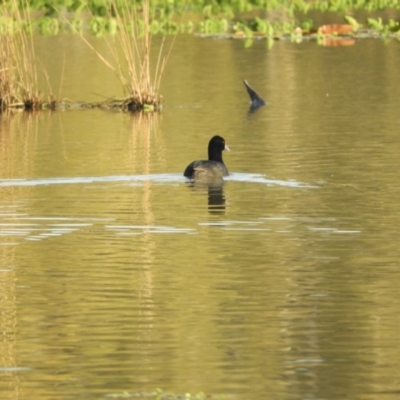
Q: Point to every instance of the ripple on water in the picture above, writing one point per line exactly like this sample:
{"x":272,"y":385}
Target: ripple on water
{"x":140,"y":229}
{"x":157,"y":178}
{"x":38,"y":228}
{"x":41,"y":228}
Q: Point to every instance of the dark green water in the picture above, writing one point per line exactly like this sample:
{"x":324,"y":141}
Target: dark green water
{"x":118,"y":278}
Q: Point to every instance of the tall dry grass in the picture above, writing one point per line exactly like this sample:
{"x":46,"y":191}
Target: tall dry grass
{"x":131,"y":53}
{"x":18,"y":71}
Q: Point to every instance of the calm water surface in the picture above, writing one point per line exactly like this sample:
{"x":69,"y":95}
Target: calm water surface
{"x":117,"y":277}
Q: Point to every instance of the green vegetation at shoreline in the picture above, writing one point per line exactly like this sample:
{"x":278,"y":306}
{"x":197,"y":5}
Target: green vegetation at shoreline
{"x":271,"y":17}
{"x":167,"y":8}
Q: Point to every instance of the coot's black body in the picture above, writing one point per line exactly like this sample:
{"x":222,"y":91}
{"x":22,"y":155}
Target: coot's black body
{"x":210,"y":170}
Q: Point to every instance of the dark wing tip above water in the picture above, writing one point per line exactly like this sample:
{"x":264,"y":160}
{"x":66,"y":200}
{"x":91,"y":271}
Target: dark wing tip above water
{"x":255,"y":98}
{"x":189,"y":171}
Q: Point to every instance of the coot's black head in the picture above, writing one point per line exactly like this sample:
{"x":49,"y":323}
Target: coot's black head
{"x":216,"y":147}
{"x":210,"y":170}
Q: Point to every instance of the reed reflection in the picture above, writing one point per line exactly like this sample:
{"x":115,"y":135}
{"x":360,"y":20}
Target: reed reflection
{"x":146,"y":141}
{"x":18,"y":142}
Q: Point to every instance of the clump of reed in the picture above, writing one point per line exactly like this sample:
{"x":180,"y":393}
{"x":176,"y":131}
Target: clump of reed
{"x":131,"y":51}
{"x":18,"y":72}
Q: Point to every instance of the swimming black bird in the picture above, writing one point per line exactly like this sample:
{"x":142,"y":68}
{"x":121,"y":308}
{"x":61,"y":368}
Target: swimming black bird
{"x":255,"y":100}
{"x":213,"y":169}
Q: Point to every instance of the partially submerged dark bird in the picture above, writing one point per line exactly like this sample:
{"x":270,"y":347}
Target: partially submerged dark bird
{"x":255,"y":100}
{"x":213,"y":169}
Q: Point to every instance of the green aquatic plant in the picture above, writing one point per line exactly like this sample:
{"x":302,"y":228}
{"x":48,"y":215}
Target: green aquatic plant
{"x":383,"y":29}
{"x":262,"y":26}
{"x":376,"y":24}
{"x":352,"y":21}
{"x":48,"y":26}
{"x":394,"y":26}
{"x":307,"y":25}
{"x":241,"y":29}
{"x":101,"y":26}
{"x":286,"y":27}
{"x":265,"y":28}
{"x":214,"y":25}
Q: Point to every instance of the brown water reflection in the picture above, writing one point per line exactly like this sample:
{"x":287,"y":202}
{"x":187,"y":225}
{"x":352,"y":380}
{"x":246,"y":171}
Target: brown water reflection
{"x":118,"y":276}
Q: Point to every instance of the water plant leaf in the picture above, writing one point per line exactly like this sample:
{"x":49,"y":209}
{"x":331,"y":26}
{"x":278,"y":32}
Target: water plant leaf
{"x":352,"y":21}
{"x":306,"y":25}
{"x":48,"y":25}
{"x":394,"y":26}
{"x":207,"y":10}
{"x":375,"y":23}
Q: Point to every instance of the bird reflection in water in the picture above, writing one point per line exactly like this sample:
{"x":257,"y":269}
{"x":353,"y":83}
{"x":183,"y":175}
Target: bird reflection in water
{"x":216,"y":200}
{"x":215,"y":194}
